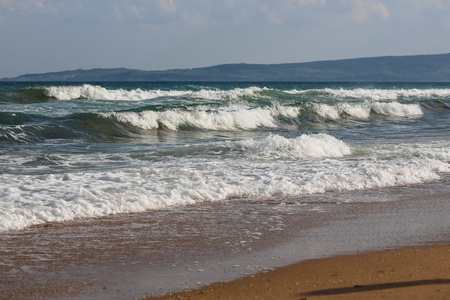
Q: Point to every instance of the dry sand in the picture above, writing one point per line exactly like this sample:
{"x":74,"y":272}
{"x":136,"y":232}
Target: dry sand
{"x":412,"y":273}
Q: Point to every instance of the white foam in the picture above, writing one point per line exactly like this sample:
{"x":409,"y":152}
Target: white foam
{"x":234,"y":117}
{"x":397,"y":109}
{"x":359,"y":111}
{"x":378,"y":94}
{"x":227,"y":94}
{"x":15,"y":133}
{"x":87,"y":91}
{"x":363,"y":110}
{"x":270,"y":167}
{"x":95,"y":92}
{"x":327,"y":111}
{"x":275,"y":146}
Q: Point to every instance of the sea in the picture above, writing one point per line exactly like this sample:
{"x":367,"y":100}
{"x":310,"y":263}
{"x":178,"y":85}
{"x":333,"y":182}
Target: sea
{"x":82,"y":150}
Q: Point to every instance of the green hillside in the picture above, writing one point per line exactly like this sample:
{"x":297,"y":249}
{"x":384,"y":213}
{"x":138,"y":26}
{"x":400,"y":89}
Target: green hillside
{"x":418,"y":68}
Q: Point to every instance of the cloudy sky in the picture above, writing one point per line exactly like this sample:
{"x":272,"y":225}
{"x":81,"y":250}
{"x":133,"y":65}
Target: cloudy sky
{"x":54,"y":35}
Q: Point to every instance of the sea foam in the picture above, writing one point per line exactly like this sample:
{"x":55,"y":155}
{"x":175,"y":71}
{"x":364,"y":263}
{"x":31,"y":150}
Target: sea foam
{"x":312,"y":146}
{"x":234,"y":117}
{"x":363,"y":110}
{"x":378,"y":94}
{"x":56,"y":174}
{"x":146,"y":185}
{"x":95,"y":92}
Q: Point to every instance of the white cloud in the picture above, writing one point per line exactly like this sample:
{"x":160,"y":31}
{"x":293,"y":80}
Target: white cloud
{"x":271,"y":15}
{"x":168,"y":5}
{"x":185,"y":15}
{"x":28,"y":6}
{"x":421,"y":4}
{"x":125,"y":10}
{"x":309,"y":2}
{"x":364,"y":10}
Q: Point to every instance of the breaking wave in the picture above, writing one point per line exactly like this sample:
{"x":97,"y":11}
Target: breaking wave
{"x":235,"y":117}
{"x":305,"y":146}
{"x":94,"y":92}
{"x":377,"y":94}
{"x":363,"y":110}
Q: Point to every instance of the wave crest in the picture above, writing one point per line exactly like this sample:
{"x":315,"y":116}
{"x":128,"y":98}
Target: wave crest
{"x":228,"y":118}
{"x":362,"y":111}
{"x":313,"y":146}
{"x":377,"y":94}
{"x":94,"y":92}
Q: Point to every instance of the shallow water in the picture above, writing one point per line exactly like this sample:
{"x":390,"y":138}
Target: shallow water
{"x":142,"y":254}
{"x":71,"y":151}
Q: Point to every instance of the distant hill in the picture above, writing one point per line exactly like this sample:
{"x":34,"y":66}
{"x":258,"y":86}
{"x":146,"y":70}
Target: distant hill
{"x":416,"y":68}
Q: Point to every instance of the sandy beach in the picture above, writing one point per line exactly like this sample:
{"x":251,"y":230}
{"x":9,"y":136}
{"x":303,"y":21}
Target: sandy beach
{"x":412,"y":273}
{"x":152,"y":254}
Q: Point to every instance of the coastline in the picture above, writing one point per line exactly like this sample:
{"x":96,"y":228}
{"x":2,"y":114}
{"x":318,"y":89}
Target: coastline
{"x":407,"y":273}
{"x":155,"y":253}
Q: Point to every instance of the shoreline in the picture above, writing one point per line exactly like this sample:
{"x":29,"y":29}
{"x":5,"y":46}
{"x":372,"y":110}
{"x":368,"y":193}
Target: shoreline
{"x":159,"y":252}
{"x":407,"y":273}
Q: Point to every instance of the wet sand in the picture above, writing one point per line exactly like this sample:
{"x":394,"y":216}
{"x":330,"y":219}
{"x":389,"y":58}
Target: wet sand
{"x":413,"y":273}
{"x":155,"y":253}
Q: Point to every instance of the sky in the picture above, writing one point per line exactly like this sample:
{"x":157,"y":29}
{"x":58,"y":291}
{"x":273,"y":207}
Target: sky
{"x":38,"y":36}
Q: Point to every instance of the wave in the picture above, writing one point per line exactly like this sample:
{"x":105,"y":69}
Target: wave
{"x":12,"y":118}
{"x":305,"y":146}
{"x":94,"y":92}
{"x":376,"y":94}
{"x":233,"y":117}
{"x":129,"y":124}
{"x":363,"y":111}
{"x":196,"y":93}
{"x":23,"y":128}
{"x":25,"y":96}
{"x":35,"y":133}
{"x":194,"y":179}
{"x":241,"y":117}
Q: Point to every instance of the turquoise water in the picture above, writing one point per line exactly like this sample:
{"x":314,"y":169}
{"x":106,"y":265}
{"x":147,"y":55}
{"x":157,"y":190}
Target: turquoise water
{"x":74,"y":150}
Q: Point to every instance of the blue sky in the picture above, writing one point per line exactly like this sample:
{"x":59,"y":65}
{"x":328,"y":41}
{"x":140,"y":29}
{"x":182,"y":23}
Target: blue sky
{"x":49,"y":35}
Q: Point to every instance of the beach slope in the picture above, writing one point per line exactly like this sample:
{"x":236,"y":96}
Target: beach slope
{"x":410,"y":273}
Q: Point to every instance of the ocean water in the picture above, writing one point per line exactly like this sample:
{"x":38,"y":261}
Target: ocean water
{"x":74,"y":150}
